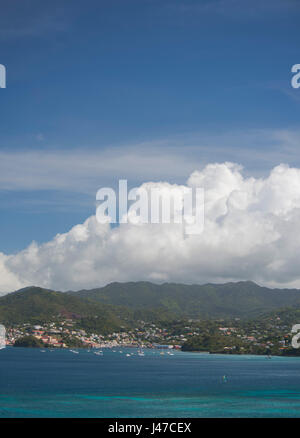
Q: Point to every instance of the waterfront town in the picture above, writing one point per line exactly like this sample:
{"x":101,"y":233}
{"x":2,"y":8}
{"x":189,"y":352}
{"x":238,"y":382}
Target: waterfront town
{"x":64,"y":335}
{"x":270,"y":336}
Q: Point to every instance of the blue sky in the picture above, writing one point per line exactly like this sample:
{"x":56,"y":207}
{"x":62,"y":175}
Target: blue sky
{"x":143,"y":90}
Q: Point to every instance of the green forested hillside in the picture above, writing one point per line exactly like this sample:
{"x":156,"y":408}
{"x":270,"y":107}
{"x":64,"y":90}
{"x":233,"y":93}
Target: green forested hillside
{"x":120,"y":304}
{"x":242,"y":299}
{"x":37,"y":305}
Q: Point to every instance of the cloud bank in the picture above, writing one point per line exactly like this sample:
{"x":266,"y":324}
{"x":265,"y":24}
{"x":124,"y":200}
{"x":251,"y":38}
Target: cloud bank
{"x":251,"y":232}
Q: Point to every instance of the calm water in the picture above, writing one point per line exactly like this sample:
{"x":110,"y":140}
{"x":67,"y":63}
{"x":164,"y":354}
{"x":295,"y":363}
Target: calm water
{"x":64,"y":384}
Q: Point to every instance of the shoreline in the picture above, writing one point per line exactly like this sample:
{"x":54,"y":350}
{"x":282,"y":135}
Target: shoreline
{"x":157,"y":349}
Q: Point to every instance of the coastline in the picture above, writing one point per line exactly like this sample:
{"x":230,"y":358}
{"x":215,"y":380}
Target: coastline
{"x":131,"y":347}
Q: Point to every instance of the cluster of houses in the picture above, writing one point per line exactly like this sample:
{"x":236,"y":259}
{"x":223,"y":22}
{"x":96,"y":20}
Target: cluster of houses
{"x":57,"y":334}
{"x":260,"y":337}
{"x":54,"y":334}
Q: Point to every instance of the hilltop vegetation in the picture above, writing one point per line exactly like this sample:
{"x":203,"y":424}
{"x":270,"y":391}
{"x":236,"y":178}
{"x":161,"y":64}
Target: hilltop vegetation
{"x":36,"y":305}
{"x":118,"y":305}
{"x":230,"y":300}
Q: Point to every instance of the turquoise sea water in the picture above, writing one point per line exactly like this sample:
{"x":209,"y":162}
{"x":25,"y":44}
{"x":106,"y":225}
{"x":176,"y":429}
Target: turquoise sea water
{"x":63,"y":384}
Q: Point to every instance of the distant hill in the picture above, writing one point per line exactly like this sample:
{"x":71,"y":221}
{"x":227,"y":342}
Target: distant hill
{"x":36,"y":305}
{"x":242,"y":299}
{"x":120,"y":304}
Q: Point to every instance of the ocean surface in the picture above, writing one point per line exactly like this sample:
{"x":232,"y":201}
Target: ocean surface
{"x":61,"y":383}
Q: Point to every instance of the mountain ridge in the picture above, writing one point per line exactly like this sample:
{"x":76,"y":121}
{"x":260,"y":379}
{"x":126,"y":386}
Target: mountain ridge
{"x":244,"y":299}
{"x":240,"y":299}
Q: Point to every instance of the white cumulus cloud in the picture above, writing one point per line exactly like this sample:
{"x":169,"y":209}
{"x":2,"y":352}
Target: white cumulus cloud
{"x":251,"y":232}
